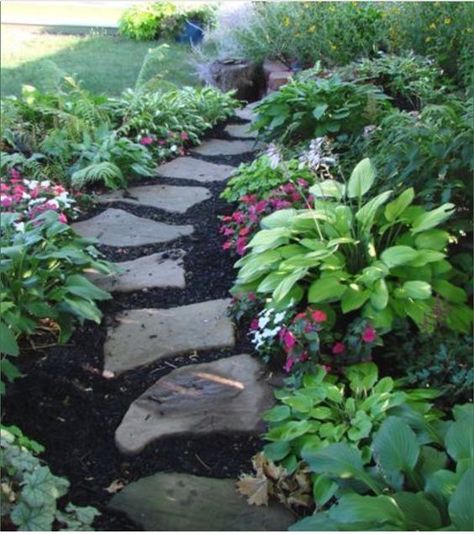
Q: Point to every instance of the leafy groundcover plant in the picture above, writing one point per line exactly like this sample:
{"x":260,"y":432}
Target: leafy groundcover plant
{"x":385,"y":259}
{"x":409,"y":482}
{"x":31,"y":493}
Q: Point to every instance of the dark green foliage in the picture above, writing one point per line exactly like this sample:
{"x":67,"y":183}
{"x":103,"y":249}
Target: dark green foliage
{"x":309,"y":109}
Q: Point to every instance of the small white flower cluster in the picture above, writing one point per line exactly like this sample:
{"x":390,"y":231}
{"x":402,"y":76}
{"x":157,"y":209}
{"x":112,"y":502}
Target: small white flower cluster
{"x":269,"y":326}
{"x":313,"y":157}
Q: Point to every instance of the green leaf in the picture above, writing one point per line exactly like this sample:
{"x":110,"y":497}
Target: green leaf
{"x":416,"y":289}
{"x":328,"y":188}
{"x":323,"y":489}
{"x":432,"y":218}
{"x":419,"y":512}
{"x":32,"y":519}
{"x":353,"y":298}
{"x":285,"y":286}
{"x":278,"y":219}
{"x":8,"y":343}
{"x":449,"y":291}
{"x":80,"y":286}
{"x":460,"y":506}
{"x":395,"y":447}
{"x":276,"y":414}
{"x":277,"y":451}
{"x":325,"y":290}
{"x":460,"y":441}
{"x":398,"y":255}
{"x":300,"y":403}
{"x":395,"y":208}
{"x":367,"y":213}
{"x":268,"y":239}
{"x":361,"y":179}
{"x":41,"y":488}
{"x":432,"y":239}
{"x":362,"y":376}
{"x":289,"y":431}
{"x":365,"y":512}
{"x":379,"y":295}
{"x":319,"y":111}
{"x":319,"y":522}
{"x":82,"y":308}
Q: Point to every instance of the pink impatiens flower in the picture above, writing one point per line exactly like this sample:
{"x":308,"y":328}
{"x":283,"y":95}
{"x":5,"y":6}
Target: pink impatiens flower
{"x":338,"y":348}
{"x":289,"y":339}
{"x":240,"y":246}
{"x":62,"y":218}
{"x":184,"y":136}
{"x":369,"y":334}
{"x":254,"y":324}
{"x":319,"y":316}
{"x":147,"y":140}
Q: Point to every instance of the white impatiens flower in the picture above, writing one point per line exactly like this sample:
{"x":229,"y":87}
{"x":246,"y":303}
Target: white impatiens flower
{"x":32,"y":184}
{"x":45,"y":183}
{"x":20,"y":227}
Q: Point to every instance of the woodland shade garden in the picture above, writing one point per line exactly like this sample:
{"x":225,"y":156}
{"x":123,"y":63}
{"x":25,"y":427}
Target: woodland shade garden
{"x":352,"y":235}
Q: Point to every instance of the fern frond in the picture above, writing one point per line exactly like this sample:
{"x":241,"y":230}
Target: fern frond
{"x":104,"y":171}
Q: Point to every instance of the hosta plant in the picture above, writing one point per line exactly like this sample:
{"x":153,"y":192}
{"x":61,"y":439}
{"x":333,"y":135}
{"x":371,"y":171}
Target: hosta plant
{"x":31,"y":493}
{"x":327,"y":409}
{"x":304,"y":110}
{"x":406,"y":484}
{"x":382,"y":259}
{"x":42,"y":281}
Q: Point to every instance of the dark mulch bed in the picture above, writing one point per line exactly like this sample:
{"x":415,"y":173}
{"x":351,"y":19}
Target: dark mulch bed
{"x":64,"y":402}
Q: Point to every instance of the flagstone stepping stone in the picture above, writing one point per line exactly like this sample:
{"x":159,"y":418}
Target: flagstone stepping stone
{"x":246,"y":114}
{"x":118,"y":228}
{"x":181,"y":502}
{"x":240,"y":130}
{"x":221,"y":147}
{"x":157,"y":270}
{"x":146,"y":335}
{"x":166,"y":197}
{"x":226,"y":395}
{"x":195,"y":169}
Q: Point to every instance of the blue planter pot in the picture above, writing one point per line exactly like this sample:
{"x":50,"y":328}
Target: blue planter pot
{"x":191,"y":33}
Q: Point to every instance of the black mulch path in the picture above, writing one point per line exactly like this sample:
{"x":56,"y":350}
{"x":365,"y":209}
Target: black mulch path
{"x":64,"y":403}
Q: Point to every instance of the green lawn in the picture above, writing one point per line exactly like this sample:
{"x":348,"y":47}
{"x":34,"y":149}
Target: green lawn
{"x":104,"y":63}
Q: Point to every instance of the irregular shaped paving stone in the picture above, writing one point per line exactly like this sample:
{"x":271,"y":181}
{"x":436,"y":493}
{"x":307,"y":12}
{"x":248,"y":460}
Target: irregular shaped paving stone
{"x":118,"y":228}
{"x":195,"y":169}
{"x":220,"y":147}
{"x":246,"y":114}
{"x":240,"y":130}
{"x":157,"y":270}
{"x":226,"y":395}
{"x":146,"y":335}
{"x":166,"y":197}
{"x":180,"y":502}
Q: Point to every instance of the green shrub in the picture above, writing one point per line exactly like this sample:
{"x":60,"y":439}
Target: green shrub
{"x":439,"y":30}
{"x":412,"y":81}
{"x":151,"y":21}
{"x":386,"y":262}
{"x":408,"y":483}
{"x":31,"y":493}
{"x":305,"y":110}
{"x":432,"y":152}
{"x":332,"y":32}
{"x":42,"y":277}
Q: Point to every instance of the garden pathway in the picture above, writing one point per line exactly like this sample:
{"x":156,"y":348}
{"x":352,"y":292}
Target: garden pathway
{"x":226,"y":395}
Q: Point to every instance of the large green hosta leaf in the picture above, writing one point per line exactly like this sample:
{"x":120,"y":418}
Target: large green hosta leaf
{"x":361,"y":179}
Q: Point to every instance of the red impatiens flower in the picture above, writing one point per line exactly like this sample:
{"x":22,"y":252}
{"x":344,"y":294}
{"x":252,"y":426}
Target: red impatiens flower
{"x":254,"y":324}
{"x":227,"y":245}
{"x":338,"y":348}
{"x":240,"y":245}
{"x":147,"y":140}
{"x":289,"y":364}
{"x":369,"y":334}
{"x":184,"y":136}
{"x":244,"y":231}
{"x":319,"y":316}
{"x":289,"y":339}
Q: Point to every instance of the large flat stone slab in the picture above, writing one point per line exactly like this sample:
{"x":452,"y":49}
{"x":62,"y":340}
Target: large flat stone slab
{"x":246,"y":114}
{"x":221,"y":147}
{"x":146,"y":335}
{"x":181,"y":502}
{"x":240,"y":130}
{"x":226,"y":395}
{"x":118,"y":228}
{"x":195,"y":169}
{"x":163,"y":269}
{"x":171,"y":198}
